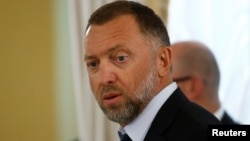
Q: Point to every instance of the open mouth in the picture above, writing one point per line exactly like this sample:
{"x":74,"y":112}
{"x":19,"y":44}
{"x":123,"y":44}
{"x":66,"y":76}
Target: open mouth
{"x":111,"y":98}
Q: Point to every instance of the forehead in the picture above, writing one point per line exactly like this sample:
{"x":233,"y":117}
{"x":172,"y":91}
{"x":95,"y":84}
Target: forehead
{"x":121,"y":30}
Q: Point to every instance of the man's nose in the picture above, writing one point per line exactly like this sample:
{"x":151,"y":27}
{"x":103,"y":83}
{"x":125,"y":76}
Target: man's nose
{"x":106,"y":74}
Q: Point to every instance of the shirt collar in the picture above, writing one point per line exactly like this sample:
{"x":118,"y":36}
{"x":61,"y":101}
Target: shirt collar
{"x":219,"y":113}
{"x":138,"y":128}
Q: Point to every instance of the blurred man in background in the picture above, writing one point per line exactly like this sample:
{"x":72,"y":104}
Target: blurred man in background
{"x":196,"y":72}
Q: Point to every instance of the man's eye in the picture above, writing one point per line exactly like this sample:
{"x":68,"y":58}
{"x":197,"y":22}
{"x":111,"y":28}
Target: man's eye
{"x":121,"y":58}
{"x":92,"y":64}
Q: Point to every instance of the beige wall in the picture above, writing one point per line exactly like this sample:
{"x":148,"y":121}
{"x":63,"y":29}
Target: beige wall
{"x":160,"y":7}
{"x":26,"y":71}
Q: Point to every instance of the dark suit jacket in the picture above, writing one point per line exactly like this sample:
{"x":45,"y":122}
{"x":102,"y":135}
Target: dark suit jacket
{"x":226,"y":119}
{"x":179,"y":120}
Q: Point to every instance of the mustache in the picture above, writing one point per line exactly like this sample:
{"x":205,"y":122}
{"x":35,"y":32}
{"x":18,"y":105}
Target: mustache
{"x":110,"y":88}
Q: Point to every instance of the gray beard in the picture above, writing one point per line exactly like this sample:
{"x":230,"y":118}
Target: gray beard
{"x":127,"y":112}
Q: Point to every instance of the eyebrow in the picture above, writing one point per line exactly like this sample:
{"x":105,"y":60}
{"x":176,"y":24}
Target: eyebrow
{"x":112,"y":49}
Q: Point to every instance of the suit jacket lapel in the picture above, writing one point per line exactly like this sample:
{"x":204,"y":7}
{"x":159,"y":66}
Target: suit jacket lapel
{"x":226,"y":119}
{"x":165,"y":116}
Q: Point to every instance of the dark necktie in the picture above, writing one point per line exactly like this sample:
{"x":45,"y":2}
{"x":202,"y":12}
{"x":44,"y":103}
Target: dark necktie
{"x":125,"y":138}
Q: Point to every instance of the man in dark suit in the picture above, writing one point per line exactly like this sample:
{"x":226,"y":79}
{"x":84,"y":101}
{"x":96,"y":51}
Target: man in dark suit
{"x":128,"y":58}
{"x":196,"y":72}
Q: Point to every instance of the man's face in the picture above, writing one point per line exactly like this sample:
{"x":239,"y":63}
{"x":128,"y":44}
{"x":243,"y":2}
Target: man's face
{"x":120,"y":68}
{"x":181,"y":73}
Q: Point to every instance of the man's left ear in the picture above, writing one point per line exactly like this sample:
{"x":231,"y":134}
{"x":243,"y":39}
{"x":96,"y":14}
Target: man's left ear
{"x":164,"y":60}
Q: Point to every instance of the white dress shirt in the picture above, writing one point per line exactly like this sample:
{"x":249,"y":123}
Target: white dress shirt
{"x":219,"y":113}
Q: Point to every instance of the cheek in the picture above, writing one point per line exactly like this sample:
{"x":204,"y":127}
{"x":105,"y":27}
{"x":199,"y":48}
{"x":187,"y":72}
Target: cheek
{"x":93,"y":85}
{"x":138,"y":75}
